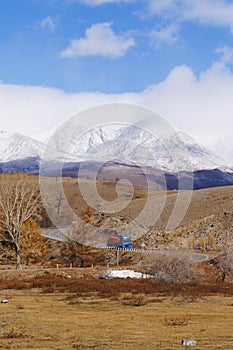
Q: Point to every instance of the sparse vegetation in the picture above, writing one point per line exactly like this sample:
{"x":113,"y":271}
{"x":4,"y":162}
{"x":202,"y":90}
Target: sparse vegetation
{"x":211,"y":241}
{"x":202,"y":243}
{"x":172,"y":267}
{"x":87,"y":214}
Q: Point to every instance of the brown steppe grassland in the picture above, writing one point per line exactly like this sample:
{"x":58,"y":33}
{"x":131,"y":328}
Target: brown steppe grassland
{"x":58,"y":299}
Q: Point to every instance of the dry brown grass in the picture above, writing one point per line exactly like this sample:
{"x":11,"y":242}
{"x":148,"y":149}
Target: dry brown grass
{"x":47,"y":310}
{"x":14,"y":333}
{"x":177,"y":320}
{"x":48,"y":321}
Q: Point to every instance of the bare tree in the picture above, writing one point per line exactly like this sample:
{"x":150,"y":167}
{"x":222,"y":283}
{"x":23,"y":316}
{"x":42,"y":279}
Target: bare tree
{"x":74,"y":250}
{"x":59,"y":199}
{"x":171,"y":267}
{"x":226,"y":264}
{"x":19,"y":201}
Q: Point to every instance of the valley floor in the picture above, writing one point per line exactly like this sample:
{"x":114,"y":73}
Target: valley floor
{"x":113,"y":315}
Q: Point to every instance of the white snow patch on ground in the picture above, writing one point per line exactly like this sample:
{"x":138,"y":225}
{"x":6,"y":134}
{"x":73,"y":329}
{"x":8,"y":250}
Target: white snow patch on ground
{"x":109,"y":274}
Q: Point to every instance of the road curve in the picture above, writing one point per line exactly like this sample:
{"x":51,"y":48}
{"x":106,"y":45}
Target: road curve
{"x":58,"y":235}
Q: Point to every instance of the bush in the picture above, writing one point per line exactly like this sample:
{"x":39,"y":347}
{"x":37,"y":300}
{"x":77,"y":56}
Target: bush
{"x":226,"y":264}
{"x":172,"y":267}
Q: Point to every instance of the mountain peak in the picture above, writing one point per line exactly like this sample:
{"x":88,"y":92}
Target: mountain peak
{"x":15,"y":146}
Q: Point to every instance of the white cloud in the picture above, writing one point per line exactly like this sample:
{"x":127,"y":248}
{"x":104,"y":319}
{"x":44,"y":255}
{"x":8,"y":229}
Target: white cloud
{"x":168,"y":35}
{"x":200,"y":105}
{"x":99,"y":40}
{"x":48,"y":23}
{"x":214,"y":12}
{"x":103,"y":2}
{"x":226,"y":53}
{"x":158,"y":7}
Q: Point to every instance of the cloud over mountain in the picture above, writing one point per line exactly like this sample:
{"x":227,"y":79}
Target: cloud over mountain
{"x":195,"y":104}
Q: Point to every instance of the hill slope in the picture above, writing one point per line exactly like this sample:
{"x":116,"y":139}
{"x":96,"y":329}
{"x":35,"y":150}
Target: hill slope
{"x":210,"y":212}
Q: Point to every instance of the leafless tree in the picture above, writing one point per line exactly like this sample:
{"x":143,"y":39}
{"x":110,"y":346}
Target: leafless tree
{"x":171,"y":267}
{"x":59,"y":199}
{"x":226,"y":264}
{"x":74,"y":250}
{"x":19,"y":201}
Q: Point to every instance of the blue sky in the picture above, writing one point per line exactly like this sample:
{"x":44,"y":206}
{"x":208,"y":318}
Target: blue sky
{"x":60,"y":56}
{"x":34,"y":33}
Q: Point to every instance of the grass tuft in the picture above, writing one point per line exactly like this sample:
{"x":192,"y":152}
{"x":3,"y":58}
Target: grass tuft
{"x":178,"y":320}
{"x":14,"y":333}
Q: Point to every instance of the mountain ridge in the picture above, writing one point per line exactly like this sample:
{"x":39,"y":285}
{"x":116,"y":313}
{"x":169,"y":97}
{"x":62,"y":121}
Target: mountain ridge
{"x":176,"y":154}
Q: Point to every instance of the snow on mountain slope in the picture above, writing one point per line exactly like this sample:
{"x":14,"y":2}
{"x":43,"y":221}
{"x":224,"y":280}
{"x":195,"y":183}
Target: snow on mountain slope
{"x":172,"y":151}
{"x":14,"y":146}
{"x":197,"y":157}
{"x":88,"y":142}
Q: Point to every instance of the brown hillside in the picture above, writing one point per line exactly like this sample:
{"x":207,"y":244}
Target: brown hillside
{"x":209,"y":213}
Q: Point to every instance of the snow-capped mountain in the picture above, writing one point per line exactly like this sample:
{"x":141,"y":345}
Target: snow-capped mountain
{"x":15,"y":146}
{"x":170,"y":151}
{"x":74,"y":145}
{"x":190,"y":155}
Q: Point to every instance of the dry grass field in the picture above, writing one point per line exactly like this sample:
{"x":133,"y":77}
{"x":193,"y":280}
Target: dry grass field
{"x":47,"y":311}
{"x":32,"y":320}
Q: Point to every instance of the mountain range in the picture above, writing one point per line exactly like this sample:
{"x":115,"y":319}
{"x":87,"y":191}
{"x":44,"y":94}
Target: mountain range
{"x":130,"y":147}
